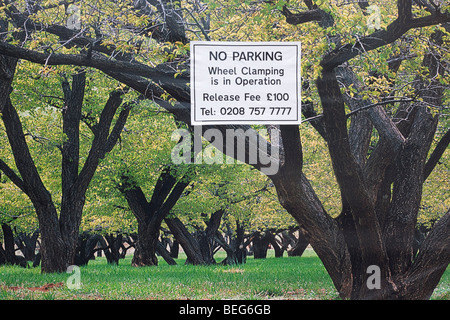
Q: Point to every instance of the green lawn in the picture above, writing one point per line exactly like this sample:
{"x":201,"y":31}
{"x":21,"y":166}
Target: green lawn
{"x":272,"y":278}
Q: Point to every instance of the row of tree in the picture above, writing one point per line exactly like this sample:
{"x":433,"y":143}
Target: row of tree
{"x":373,"y":92}
{"x":200,"y":246}
{"x":140,"y":168}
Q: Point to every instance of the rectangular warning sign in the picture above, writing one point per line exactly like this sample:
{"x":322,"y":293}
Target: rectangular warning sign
{"x":245,"y":83}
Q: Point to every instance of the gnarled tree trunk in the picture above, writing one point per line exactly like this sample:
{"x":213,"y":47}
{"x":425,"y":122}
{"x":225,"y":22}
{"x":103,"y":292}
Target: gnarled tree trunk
{"x":199,"y":248}
{"x":150,"y":214}
{"x":59,"y":233}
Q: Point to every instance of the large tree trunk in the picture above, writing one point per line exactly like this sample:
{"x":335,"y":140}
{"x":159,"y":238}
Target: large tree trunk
{"x":55,"y":254}
{"x":145,"y":249}
{"x":297,"y":196}
{"x":380,"y":196}
{"x":148,"y":245}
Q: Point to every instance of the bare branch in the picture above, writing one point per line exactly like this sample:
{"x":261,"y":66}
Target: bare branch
{"x":12,"y":175}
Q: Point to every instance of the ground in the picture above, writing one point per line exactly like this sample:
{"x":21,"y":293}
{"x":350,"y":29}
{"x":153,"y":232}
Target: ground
{"x":301,"y":278}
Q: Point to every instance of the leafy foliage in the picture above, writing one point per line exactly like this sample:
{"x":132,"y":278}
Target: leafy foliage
{"x":144,"y":148}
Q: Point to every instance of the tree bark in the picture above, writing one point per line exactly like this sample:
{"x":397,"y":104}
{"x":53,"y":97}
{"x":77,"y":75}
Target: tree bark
{"x":145,"y":249}
{"x":55,"y":254}
{"x":199,"y":247}
{"x":299,"y":247}
{"x":162,"y":251}
{"x":297,"y":196}
{"x":175,"y":249}
{"x":430,"y":264}
{"x":150,"y":214}
{"x":189,"y":244}
{"x":112,"y":250}
{"x":260,"y":245}
{"x":236,"y":248}
{"x":27,"y":244}
{"x":59,"y":233}
{"x":9,"y":252}
{"x":276,"y":246}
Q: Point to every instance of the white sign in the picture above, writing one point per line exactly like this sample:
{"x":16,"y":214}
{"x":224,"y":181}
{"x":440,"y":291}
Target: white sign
{"x":245,"y":83}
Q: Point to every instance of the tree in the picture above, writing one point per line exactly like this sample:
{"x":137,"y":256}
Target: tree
{"x":150,"y":214}
{"x":391,"y":86}
{"x":59,"y":232}
{"x":373,"y":230}
{"x":140,"y":167}
{"x":223,"y":202}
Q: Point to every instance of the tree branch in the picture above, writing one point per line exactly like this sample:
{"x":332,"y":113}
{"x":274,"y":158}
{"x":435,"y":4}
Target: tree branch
{"x":165,"y":76}
{"x":437,"y":154}
{"x":12,"y":176}
{"x":431,"y":261}
{"x":135,"y":198}
{"x":173,"y":197}
{"x":302,"y":17}
{"x":164,"y":184}
{"x":312,"y":117}
{"x":31,"y":179}
{"x":73,"y":103}
{"x":381,"y":38}
{"x":99,"y":144}
{"x":117,"y":129}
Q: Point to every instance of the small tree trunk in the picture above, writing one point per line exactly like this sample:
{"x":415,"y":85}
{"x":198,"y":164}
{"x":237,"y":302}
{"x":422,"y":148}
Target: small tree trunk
{"x":150,"y":215}
{"x":162,"y":251}
{"x":189,"y":244}
{"x":80,"y":253}
{"x":206,"y":242}
{"x":239,"y":247}
{"x":145,"y":249}
{"x":278,"y":249}
{"x":260,"y":245}
{"x":236,"y":252}
{"x":9,"y":254}
{"x":27,"y":244}
{"x":112,"y":252}
{"x":175,"y":249}
{"x":300,"y":246}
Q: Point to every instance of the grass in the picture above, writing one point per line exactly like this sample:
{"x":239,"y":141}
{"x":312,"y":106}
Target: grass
{"x":272,"y":278}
